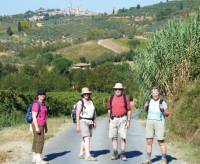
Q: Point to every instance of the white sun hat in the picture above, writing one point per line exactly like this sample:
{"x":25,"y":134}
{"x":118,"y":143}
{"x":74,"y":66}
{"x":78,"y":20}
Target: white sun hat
{"x":118,"y":86}
{"x":85,"y":90}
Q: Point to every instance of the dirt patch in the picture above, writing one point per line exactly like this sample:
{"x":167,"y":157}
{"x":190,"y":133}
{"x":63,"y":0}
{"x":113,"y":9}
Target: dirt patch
{"x":113,"y":46}
{"x":7,"y":53}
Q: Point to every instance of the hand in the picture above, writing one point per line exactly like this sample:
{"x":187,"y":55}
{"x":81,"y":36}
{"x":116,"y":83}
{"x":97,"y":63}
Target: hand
{"x":78,"y":127}
{"x":46,"y":129}
{"x":128,"y":124}
{"x":94,"y":125}
{"x":37,"y":130}
{"x":31,"y":129}
{"x":146,"y":104}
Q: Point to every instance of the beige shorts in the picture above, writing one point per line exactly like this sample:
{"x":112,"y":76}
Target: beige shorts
{"x":85,"y":129}
{"x":155,"y":127}
{"x":117,"y":127}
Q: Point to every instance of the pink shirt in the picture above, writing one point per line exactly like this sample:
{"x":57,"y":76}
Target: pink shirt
{"x":118,"y":105}
{"x":42,"y":116}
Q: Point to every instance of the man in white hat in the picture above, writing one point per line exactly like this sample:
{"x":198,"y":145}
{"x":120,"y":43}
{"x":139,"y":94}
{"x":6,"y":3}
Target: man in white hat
{"x":119,"y":110}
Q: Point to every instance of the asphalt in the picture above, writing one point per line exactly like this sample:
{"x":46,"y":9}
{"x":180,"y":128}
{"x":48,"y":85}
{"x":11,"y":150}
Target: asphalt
{"x":64,"y":148}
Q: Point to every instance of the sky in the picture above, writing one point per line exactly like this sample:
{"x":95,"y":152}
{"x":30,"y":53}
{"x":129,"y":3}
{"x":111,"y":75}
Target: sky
{"x":10,"y":7}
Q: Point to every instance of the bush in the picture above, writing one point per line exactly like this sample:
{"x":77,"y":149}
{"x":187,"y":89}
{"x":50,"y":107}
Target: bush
{"x":13,"y":105}
{"x":185,"y":116}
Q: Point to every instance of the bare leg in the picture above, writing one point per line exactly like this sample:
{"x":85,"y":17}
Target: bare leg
{"x":114,"y":144}
{"x":123,"y":144}
{"x":163,"y":148}
{"x":82,"y":147}
{"x":149,"y":147}
{"x":87,"y":146}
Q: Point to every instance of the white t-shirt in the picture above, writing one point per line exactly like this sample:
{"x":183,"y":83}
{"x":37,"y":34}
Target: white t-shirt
{"x":154,"y":112}
{"x":88,"y":109}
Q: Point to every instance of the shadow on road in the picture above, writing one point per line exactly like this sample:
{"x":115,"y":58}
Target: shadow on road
{"x":158,"y":158}
{"x":97,"y":153}
{"x":132,"y":154}
{"x":52,"y":156}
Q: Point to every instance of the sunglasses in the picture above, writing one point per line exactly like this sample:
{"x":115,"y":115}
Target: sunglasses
{"x":118,"y":89}
{"x":86,"y":94}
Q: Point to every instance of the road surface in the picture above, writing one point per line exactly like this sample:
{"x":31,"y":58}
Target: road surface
{"x":64,"y":149}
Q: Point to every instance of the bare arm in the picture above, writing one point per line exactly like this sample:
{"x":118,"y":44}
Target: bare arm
{"x":78,"y":112}
{"x":34,"y":115}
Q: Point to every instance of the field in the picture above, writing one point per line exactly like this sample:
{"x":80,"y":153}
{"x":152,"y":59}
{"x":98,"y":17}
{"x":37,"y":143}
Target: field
{"x":90,"y":50}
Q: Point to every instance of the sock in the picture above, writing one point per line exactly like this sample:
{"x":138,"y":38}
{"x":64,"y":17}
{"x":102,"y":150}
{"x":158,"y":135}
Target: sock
{"x":149,"y":155}
{"x":81,"y":153}
{"x":163,"y":156}
{"x":87,"y":154}
{"x":38,"y":157}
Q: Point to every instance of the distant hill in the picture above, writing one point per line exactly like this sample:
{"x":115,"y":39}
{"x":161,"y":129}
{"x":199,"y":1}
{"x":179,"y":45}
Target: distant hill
{"x":161,"y":10}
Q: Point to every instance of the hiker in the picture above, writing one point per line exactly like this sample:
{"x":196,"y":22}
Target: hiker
{"x":39,"y":126}
{"x":85,"y":122}
{"x":157,"y":111}
{"x":119,"y":111}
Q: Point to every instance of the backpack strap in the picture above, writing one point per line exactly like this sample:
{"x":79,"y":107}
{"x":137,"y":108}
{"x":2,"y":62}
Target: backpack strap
{"x":82,"y":105}
{"x":160,"y":103}
{"x":39,"y":108}
{"x":148,"y":101}
{"x":125,"y":102}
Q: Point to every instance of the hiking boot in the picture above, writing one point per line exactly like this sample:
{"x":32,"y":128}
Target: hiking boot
{"x":147,"y":161}
{"x":163,"y":161}
{"x":123,"y":156}
{"x":41,"y":162}
{"x":90,"y":158}
{"x":33,"y":160}
{"x":115,"y":155}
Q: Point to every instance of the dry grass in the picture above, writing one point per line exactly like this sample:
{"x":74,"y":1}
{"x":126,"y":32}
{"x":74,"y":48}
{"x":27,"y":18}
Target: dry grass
{"x":114,"y":45}
{"x":16,"y":141}
{"x":183,"y":149}
{"x":3,"y":156}
{"x":90,"y":50}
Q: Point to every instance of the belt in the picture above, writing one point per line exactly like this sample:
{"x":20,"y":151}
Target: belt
{"x":87,"y":118}
{"x":119,"y":116}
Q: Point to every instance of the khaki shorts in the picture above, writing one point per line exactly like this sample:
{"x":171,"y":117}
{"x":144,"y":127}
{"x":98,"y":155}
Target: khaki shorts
{"x":155,"y":127}
{"x":117,"y":127}
{"x":85,"y":129}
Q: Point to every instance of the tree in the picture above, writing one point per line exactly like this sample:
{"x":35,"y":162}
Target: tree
{"x":138,"y":6}
{"x":181,"y":5}
{"x":9,"y":31}
{"x":61,"y":65}
{"x":82,"y":59}
{"x":19,"y":26}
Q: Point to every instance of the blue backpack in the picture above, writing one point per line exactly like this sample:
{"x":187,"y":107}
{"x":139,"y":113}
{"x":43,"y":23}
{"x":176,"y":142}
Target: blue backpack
{"x":28,"y":115}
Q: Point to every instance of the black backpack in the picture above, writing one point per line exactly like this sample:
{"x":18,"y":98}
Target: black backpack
{"x":125,"y":104}
{"x":73,"y":112}
{"x":160,"y":103}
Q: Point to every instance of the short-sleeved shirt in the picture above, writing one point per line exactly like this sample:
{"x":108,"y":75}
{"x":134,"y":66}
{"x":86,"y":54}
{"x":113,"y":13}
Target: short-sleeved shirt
{"x":88,"y":110}
{"x":154,"y":112}
{"x":42,"y":115}
{"x":118,"y":105}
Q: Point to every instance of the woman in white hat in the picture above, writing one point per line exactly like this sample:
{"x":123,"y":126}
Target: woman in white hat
{"x":86,"y":121}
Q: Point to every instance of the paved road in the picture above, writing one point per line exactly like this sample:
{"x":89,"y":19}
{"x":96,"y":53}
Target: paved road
{"x":64,"y":149}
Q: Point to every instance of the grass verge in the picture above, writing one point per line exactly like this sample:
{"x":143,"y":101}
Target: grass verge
{"x":16,"y":141}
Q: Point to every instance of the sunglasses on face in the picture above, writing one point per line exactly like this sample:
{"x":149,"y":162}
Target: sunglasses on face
{"x":117,"y":89}
{"x":86,"y":94}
